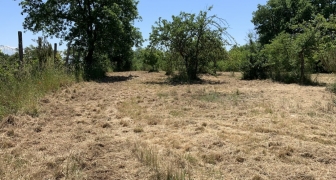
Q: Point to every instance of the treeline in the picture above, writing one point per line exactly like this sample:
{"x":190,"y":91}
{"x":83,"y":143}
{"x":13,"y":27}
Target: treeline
{"x":103,"y":31}
{"x":293,"y":39}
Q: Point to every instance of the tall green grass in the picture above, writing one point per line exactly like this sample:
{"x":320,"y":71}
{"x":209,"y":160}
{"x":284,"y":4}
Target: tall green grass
{"x":22,"y":94}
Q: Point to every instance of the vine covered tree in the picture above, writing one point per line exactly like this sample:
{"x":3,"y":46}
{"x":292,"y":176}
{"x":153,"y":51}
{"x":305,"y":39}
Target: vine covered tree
{"x":95,"y":26}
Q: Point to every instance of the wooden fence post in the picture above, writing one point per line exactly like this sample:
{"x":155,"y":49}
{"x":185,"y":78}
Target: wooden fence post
{"x":39,"y":52}
{"x":55,"y":52}
{"x":67,"y":55}
{"x":20,"y":48}
{"x":76,"y":58}
{"x":78,"y":55}
{"x":73,"y":53}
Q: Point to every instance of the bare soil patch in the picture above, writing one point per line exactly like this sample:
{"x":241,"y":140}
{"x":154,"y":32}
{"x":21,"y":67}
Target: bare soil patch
{"x":135,"y":125}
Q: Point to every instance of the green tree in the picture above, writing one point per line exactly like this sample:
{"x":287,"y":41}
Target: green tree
{"x":281,"y":59}
{"x":152,"y":57}
{"x":137,"y":61}
{"x":254,"y":63}
{"x":305,"y":44}
{"x":171,"y":62}
{"x":197,"y":39}
{"x":324,"y":7}
{"x":121,"y":54}
{"x":293,"y":57}
{"x":98,"y":26}
{"x":325,"y":51}
{"x":235,"y":59}
{"x":278,"y":16}
{"x":295,"y":37}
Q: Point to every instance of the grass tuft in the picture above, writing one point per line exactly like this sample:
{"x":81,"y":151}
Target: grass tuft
{"x":23,"y":94}
{"x":150,"y":157}
{"x":138,"y":130}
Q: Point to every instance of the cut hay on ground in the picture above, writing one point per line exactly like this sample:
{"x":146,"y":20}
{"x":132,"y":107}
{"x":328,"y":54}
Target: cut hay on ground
{"x":135,"y":125}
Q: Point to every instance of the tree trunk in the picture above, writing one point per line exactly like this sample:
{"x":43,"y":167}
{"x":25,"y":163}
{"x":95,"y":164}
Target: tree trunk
{"x":192,"y":71}
{"x":92,"y":38}
{"x":39,"y":52}
{"x":67,"y":55}
{"x":192,"y":74}
{"x":302,"y":67}
{"x":88,"y":62}
{"x":89,"y":58}
{"x":120,"y":64}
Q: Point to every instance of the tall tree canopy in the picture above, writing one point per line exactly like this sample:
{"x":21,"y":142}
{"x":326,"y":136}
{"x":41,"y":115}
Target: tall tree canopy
{"x":92,"y":25}
{"x":278,"y":15}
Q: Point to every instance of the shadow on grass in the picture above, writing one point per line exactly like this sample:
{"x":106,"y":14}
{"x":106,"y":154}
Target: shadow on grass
{"x":319,"y":84}
{"x":171,"y":82}
{"x":307,"y":82}
{"x":114,"y":79}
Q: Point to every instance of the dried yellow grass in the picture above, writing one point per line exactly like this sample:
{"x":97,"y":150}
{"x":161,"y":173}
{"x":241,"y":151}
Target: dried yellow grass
{"x":145,"y":128}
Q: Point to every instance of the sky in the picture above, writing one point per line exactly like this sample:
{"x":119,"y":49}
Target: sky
{"x":237,"y":13}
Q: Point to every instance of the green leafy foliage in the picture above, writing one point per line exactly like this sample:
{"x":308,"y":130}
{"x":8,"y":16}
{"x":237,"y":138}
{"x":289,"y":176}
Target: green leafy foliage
{"x":171,"y":62}
{"x":22,"y":84}
{"x":278,"y":16}
{"x":101,"y":27}
{"x":292,"y":58}
{"x":296,"y":38}
{"x":7,"y":67}
{"x":148,"y":59}
{"x":137,"y":60}
{"x":234,"y":62}
{"x":23,"y":94}
{"x":281,"y":59}
{"x":152,"y":57}
{"x":253,"y":64}
{"x":194,"y":43}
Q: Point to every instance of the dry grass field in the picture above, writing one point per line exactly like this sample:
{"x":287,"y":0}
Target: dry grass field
{"x":135,"y":125}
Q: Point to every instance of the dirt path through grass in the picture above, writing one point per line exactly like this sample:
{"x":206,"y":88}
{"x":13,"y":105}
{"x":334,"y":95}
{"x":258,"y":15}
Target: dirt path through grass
{"x":134,"y":125}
